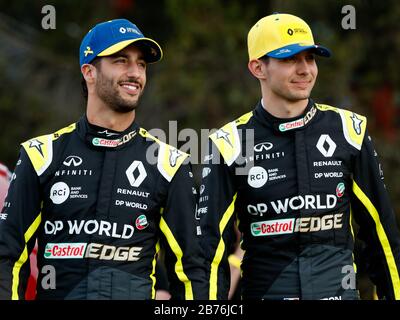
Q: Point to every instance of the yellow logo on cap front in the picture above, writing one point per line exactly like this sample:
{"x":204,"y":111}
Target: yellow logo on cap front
{"x":88,"y":51}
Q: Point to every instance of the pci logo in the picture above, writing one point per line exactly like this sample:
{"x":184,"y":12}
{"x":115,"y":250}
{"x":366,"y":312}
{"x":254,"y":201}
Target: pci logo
{"x":65,"y":250}
{"x":272,"y":227}
{"x":257,"y":177}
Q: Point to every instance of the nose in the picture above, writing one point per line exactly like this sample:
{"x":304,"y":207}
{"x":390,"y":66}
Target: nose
{"x":133,"y":70}
{"x":303,"y":66}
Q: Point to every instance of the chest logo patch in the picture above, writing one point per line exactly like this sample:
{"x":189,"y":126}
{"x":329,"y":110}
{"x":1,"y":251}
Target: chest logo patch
{"x":75,"y":161}
{"x":257,"y":177}
{"x":136,"y":173}
{"x":326,"y":145}
{"x":356,"y":123}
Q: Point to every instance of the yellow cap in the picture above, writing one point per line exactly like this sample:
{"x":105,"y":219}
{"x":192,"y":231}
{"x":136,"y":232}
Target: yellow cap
{"x":280,"y":36}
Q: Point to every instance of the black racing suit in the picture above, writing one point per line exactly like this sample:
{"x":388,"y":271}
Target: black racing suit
{"x":101,"y":204}
{"x":293,"y":191}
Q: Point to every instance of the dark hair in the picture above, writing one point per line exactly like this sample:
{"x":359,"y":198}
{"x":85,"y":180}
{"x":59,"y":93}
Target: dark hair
{"x":96,"y":63}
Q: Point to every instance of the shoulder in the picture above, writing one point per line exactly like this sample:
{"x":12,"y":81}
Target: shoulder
{"x":354,"y":125}
{"x":169,"y":158}
{"x":40,"y":149}
{"x":227,"y":138}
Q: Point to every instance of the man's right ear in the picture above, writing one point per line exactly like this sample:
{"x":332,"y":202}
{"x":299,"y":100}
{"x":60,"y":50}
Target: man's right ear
{"x":89,"y":72}
{"x":255,"y":67}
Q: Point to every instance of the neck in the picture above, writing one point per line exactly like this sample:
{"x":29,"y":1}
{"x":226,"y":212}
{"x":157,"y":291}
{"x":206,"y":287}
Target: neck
{"x":100,"y":114}
{"x":281,"y":108}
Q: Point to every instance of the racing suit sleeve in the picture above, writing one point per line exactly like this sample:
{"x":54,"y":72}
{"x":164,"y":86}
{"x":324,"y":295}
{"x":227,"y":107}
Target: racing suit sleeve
{"x":184,"y":258}
{"x":19,"y":222}
{"x":373,"y":213}
{"x":216,"y":206}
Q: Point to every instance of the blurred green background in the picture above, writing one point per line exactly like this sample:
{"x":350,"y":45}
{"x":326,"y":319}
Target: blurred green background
{"x":203,"y":80}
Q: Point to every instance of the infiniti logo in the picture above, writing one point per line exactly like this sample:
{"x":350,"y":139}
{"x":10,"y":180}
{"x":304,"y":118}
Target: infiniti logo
{"x":74,"y":160}
{"x":263,"y":146}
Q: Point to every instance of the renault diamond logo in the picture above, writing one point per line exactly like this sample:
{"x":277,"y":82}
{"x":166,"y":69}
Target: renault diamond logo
{"x":73,"y":160}
{"x":326,"y":145}
{"x":136,"y":173}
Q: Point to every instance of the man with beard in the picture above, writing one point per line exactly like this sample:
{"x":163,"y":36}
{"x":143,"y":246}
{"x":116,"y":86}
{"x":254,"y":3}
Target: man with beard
{"x":294,"y":174}
{"x":102,"y":195}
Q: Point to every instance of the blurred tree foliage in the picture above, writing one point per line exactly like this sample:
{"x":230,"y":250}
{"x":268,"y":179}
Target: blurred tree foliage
{"x":202,"y":81}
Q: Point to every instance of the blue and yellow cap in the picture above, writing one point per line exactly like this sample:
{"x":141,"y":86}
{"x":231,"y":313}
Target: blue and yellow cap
{"x":281,"y":36}
{"x":109,"y":37}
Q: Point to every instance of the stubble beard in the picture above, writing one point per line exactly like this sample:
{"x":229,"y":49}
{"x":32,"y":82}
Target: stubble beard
{"x":108,"y":92}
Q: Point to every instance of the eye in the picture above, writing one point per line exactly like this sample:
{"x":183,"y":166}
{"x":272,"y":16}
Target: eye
{"x":289,"y":59}
{"x":310,"y":57}
{"x":120,"y":60}
{"x":142,"y":64}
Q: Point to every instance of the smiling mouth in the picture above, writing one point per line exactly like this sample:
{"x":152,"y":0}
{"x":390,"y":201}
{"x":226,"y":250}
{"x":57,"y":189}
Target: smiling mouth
{"x":130,"y":87}
{"x":301,"y":84}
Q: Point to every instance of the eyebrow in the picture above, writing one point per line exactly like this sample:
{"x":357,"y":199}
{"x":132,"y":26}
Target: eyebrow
{"x":123,"y":55}
{"x":118,"y":55}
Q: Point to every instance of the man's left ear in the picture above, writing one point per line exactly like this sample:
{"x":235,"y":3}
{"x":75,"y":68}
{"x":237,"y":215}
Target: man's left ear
{"x":88,"y":72}
{"x":255,"y":67}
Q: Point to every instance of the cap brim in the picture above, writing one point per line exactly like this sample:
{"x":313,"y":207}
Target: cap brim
{"x":152,"y":52}
{"x":292,"y":49}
